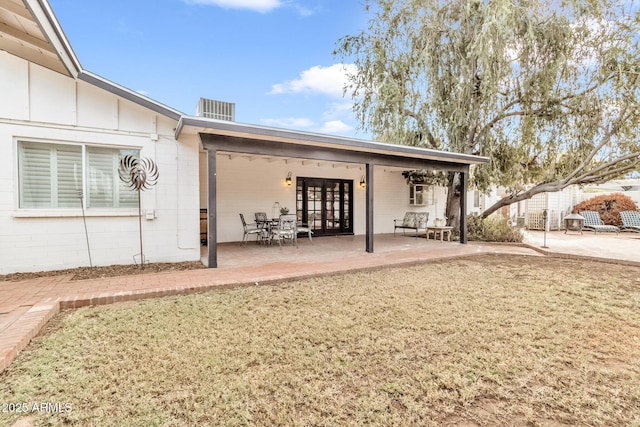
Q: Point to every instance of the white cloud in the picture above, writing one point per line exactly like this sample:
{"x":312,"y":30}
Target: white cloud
{"x":324,"y":80}
{"x":262,"y":6}
{"x":335,"y":126}
{"x":338,"y":109}
{"x":304,"y":11}
{"x":306,"y":124}
{"x":290,"y":122}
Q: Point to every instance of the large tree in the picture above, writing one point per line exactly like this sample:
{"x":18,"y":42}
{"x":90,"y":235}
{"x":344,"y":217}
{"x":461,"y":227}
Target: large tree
{"x":547,"y":90}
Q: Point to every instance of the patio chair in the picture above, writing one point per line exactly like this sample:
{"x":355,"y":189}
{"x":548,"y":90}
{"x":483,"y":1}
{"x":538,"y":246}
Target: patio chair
{"x":286,"y":230}
{"x":250,"y":229}
{"x":593,"y":221}
{"x":630,"y":221}
{"x":304,"y":228}
{"x":261,"y":217}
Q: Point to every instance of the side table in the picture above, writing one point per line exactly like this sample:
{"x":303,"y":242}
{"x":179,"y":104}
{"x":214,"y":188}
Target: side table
{"x":441,"y":230}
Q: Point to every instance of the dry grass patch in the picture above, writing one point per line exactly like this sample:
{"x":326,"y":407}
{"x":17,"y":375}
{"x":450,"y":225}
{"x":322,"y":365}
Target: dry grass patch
{"x":482,"y":341}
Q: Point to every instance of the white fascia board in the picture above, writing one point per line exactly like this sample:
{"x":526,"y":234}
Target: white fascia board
{"x":48,"y":23}
{"x":194,"y":124}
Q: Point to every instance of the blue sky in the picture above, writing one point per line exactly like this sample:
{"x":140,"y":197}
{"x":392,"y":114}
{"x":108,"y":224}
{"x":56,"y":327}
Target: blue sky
{"x":273,"y":58}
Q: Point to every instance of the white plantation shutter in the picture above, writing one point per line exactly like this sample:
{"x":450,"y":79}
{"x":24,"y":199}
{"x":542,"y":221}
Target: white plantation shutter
{"x":50,"y":176}
{"x":101,"y":170}
{"x":105,"y":188}
{"x":34,"y":169}
{"x":127,"y":197}
{"x":69,"y":175}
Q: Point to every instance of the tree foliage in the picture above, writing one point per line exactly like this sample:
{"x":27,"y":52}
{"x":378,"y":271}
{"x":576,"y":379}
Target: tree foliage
{"x":547,"y":90}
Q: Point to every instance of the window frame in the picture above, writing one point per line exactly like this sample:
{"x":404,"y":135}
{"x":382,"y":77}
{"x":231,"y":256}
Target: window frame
{"x":52,"y":209}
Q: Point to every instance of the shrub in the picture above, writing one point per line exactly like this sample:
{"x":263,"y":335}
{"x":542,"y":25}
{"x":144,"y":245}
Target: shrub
{"x":492,"y":229}
{"x":608,"y":206}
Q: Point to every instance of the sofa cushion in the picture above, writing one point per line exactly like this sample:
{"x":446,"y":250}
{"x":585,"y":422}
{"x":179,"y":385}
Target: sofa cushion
{"x":409,"y":220}
{"x":421,"y":220}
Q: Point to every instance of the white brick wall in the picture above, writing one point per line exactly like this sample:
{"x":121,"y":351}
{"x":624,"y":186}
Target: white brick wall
{"x":63,"y":110}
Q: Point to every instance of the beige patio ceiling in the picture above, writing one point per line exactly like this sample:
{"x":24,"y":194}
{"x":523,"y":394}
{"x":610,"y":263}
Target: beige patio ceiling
{"x":29,"y":30}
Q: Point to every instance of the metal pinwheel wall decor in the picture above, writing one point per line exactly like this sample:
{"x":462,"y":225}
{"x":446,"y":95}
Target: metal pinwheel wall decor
{"x":138,"y":174}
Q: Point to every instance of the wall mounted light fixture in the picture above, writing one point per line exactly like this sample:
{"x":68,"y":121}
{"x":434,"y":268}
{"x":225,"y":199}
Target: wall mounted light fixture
{"x":287,"y":180}
{"x":363,"y":183}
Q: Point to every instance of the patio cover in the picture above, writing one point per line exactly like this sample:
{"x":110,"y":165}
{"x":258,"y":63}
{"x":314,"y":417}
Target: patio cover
{"x":220,"y":136}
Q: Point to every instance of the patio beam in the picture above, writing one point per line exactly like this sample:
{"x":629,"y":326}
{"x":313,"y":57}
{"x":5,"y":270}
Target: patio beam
{"x":233,"y":144}
{"x":212,"y":212}
{"x":369,"y":208}
{"x":464,"y":184}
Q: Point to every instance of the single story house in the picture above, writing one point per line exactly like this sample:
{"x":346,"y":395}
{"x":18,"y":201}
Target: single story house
{"x":63,"y":131}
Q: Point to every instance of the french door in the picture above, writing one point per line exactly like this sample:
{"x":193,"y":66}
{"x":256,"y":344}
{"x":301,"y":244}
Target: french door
{"x":325,"y":204}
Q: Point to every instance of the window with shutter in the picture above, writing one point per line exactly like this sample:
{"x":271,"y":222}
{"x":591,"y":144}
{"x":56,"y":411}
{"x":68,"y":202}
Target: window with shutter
{"x":69,"y":176}
{"x":50,"y":176}
{"x":34,"y":170}
{"x":105,"y":188}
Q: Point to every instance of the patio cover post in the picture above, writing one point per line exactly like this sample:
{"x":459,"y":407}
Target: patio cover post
{"x":464,"y":183}
{"x":369,"y":208}
{"x":212,"y":228}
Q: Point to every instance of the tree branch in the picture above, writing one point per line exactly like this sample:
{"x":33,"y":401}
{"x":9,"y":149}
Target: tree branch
{"x":430,"y":138}
{"x":503,"y":115}
{"x":605,"y":140}
{"x":593,"y":175}
{"x":549,"y":187}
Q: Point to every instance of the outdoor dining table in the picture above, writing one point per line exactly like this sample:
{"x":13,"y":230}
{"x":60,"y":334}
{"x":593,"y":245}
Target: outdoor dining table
{"x":267,"y":226}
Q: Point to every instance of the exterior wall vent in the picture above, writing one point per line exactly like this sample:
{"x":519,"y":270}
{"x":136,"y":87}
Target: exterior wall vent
{"x":212,"y":109}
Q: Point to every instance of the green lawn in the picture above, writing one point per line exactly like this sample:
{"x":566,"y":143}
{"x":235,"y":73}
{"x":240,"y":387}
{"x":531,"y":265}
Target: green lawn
{"x":481,"y":341}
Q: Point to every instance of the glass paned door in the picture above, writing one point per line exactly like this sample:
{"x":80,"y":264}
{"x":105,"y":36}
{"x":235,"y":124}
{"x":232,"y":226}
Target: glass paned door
{"x":325,"y":204}
{"x":333,"y":207}
{"x":312,"y":209}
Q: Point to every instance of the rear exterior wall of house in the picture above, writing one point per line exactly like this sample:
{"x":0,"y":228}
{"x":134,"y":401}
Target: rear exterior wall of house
{"x":247,"y":184}
{"x":62,"y":138}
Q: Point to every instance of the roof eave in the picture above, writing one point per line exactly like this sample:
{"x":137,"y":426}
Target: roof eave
{"x":201,"y":124}
{"x":128,"y":94}
{"x":52,"y":30}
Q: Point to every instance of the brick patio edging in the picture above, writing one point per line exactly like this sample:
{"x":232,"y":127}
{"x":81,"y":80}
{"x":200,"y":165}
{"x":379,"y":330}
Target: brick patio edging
{"x":24,"y":329}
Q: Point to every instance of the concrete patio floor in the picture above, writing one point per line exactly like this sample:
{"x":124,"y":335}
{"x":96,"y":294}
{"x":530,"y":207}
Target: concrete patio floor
{"x":26,"y":306}
{"x":623,"y":248}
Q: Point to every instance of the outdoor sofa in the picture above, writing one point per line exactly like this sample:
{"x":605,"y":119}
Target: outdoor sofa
{"x":416,"y":221}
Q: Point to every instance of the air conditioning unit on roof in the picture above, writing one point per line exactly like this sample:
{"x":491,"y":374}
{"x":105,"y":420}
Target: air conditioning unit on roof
{"x":213,"y":109}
